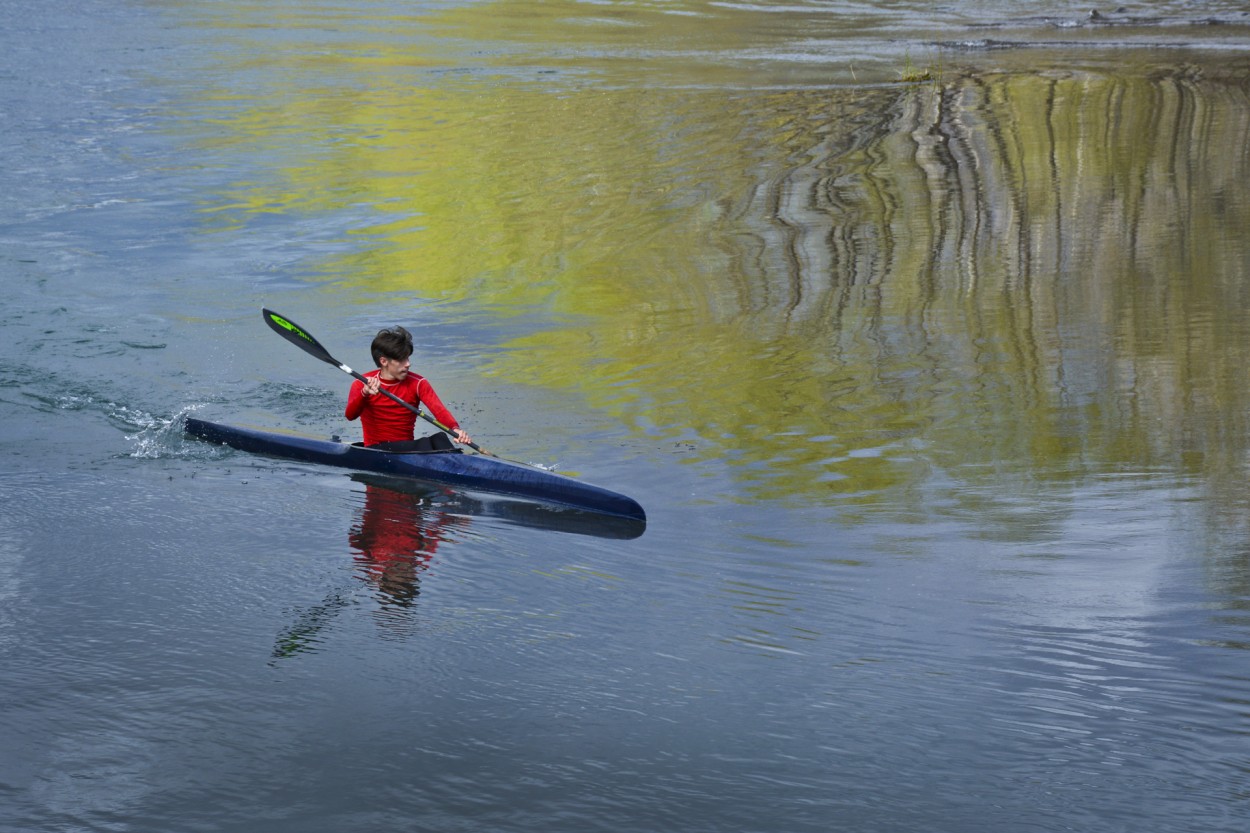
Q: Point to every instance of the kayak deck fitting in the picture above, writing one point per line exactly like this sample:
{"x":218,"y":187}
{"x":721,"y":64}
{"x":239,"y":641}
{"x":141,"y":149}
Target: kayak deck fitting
{"x":477,"y":472}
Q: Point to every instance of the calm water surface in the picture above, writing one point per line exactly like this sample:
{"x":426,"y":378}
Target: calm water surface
{"x":935,"y":393}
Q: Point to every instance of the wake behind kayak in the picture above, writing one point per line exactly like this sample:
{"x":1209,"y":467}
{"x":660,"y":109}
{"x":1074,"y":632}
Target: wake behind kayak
{"x":475,"y":472}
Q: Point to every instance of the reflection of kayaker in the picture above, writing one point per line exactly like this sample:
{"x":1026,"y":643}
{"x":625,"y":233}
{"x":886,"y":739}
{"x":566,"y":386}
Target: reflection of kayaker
{"x":394,"y":539}
{"x":385,"y":421}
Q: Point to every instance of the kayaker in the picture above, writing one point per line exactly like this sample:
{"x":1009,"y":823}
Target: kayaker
{"x":384,"y":422}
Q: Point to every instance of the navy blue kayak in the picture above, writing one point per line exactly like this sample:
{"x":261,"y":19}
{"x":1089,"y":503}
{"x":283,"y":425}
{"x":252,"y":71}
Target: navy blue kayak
{"x":475,"y":472}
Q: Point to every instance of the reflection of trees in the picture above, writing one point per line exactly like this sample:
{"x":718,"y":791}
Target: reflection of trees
{"x":1038,"y":270}
{"x":834,"y":289}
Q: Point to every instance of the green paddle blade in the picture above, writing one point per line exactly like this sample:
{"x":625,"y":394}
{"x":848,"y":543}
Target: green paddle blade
{"x":297,"y":335}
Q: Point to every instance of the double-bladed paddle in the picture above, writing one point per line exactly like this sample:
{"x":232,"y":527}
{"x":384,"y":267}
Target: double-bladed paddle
{"x":302,"y":339}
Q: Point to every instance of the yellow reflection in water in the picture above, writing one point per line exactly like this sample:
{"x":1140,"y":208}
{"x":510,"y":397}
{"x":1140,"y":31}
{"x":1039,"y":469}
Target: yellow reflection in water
{"x":835,"y":290}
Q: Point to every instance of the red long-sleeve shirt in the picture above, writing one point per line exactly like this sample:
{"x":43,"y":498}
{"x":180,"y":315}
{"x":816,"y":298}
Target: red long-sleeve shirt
{"x":383,"y":420}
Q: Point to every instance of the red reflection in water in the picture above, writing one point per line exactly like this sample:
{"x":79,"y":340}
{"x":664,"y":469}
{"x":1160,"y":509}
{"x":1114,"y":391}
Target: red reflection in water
{"x":394,"y":540}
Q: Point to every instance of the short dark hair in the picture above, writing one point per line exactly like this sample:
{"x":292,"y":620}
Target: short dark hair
{"x":393,"y":342}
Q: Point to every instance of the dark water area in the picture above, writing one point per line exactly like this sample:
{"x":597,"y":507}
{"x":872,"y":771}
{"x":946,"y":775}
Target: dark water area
{"x":918,"y":330}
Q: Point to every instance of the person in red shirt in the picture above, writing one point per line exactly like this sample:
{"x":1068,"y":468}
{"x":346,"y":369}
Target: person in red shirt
{"x":386,"y":423}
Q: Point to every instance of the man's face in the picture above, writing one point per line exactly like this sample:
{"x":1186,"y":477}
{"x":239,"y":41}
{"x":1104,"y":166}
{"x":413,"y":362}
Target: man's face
{"x":394,"y":370}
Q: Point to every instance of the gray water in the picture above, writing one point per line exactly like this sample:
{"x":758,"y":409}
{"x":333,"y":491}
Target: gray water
{"x":934,"y":392}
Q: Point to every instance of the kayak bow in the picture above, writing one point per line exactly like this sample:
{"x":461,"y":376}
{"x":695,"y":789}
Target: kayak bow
{"x":475,"y":472}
